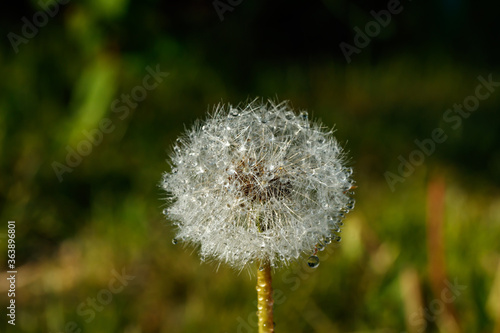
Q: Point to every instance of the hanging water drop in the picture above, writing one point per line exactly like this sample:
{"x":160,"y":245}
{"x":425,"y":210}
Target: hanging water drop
{"x":261,"y":268}
{"x":350,"y":204}
{"x":313,"y":261}
{"x":165,"y":211}
{"x":174,"y":241}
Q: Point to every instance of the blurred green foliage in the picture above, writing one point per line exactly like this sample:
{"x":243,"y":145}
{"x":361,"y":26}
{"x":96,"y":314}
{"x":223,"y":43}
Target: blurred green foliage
{"x":106,"y":213}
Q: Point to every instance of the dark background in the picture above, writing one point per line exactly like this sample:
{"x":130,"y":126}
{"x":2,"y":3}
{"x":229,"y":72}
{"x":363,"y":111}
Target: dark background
{"x":400,"y":244}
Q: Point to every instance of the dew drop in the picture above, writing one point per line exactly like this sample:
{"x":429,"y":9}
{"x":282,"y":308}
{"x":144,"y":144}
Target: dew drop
{"x":304,"y":115}
{"x":328,"y":240}
{"x":261,"y":268}
{"x":234,"y":113}
{"x":313,"y":261}
{"x":350,"y":204}
{"x":338,"y":239}
{"x":289,"y":115}
{"x":165,"y":211}
{"x":174,"y":241}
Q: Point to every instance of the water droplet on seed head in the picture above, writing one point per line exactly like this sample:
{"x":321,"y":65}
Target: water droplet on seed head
{"x":313,"y":261}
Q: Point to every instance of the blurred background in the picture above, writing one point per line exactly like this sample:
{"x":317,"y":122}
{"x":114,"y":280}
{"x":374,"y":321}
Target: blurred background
{"x":93,"y":94}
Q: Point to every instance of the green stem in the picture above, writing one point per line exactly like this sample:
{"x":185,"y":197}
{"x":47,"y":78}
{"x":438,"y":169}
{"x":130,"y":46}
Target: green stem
{"x":265,"y":299}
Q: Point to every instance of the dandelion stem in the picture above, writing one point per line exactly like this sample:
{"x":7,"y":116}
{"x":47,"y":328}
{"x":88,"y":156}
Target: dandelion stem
{"x":265,"y":299}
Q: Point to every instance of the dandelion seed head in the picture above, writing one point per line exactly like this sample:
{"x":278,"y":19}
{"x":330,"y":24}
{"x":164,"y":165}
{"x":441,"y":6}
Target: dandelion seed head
{"x":257,"y":182}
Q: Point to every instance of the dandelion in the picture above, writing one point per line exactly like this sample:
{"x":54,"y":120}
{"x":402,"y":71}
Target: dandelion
{"x":258,"y":183}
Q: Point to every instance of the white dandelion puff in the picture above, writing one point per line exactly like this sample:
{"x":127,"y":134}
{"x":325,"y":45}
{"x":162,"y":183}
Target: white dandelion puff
{"x":258,"y":183}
